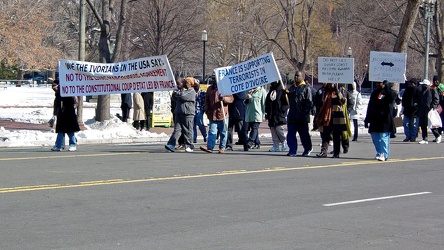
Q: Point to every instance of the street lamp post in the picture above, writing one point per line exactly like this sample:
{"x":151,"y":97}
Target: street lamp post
{"x":204,"y":40}
{"x":349,"y":52}
{"x":428,"y":15}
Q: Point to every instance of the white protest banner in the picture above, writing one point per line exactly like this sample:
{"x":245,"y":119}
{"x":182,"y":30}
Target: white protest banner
{"x":147,"y":74}
{"x":336,"y":70}
{"x":247,"y":75}
{"x":390,"y":66}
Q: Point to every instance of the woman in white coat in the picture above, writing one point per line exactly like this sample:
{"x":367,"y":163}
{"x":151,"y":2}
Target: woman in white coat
{"x":355,"y":114}
{"x":139,"y":115}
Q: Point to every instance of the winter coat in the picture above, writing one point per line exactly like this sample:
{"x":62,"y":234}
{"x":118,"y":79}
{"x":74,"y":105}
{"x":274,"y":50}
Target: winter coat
{"x":379,"y":110}
{"x":185,"y":102}
{"x":213,"y":107}
{"x":147,"y":102}
{"x":355,"y":112}
{"x":410,"y":101}
{"x":139,"y":107}
{"x":66,"y":114}
{"x":126,"y":101}
{"x":276,"y":106}
{"x":301,"y":103}
{"x":428,"y":99}
{"x":236,"y":109}
{"x":255,"y":108}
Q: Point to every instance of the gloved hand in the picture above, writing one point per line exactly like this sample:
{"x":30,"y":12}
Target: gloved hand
{"x":366,"y":125}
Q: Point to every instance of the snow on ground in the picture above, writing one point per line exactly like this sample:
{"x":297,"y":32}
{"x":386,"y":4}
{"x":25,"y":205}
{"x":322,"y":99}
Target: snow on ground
{"x":34,"y":105}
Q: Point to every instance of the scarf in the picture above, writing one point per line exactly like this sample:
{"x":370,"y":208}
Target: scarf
{"x":324,"y":116}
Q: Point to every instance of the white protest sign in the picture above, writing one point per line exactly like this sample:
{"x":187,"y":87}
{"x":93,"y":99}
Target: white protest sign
{"x":247,"y":75}
{"x":336,"y":70}
{"x":147,"y":74}
{"x":390,"y":66}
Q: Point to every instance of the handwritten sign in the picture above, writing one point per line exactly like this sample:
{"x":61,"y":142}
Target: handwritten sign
{"x":390,"y":66}
{"x":147,"y":74}
{"x":336,"y":69}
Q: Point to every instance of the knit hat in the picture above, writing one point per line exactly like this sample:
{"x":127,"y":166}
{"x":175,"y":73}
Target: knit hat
{"x":425,"y":82}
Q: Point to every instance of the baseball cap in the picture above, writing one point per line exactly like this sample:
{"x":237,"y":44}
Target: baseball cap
{"x":425,"y":82}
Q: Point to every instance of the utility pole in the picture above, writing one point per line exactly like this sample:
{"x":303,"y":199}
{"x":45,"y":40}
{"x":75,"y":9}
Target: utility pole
{"x":81,"y":57}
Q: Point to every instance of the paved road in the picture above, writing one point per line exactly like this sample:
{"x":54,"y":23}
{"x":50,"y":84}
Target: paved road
{"x":138,"y":196}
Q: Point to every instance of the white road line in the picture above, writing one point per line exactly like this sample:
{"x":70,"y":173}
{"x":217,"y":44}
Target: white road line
{"x":374,"y":199}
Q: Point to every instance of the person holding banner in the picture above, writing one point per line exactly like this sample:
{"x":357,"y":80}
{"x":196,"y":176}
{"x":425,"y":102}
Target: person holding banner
{"x":331,"y":119}
{"x":66,"y":119}
{"x":298,"y":118}
{"x":276,"y":108}
{"x":216,"y":109}
{"x":184,"y":116}
{"x":126,"y":105}
{"x":255,"y":114}
{"x":379,"y":119}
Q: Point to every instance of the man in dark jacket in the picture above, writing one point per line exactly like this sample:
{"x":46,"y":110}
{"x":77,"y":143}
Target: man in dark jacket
{"x":276,"y":107}
{"x":410,"y":102}
{"x":429,"y":100}
{"x":236,"y":121}
{"x":148,"y":105}
{"x":298,"y":118}
{"x":127,"y":104}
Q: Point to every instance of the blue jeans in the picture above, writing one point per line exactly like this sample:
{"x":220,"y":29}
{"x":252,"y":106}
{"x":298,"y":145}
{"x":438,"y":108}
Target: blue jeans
{"x":60,"y":141}
{"x":381,"y":141}
{"x":198,"y":122}
{"x":410,"y":125}
{"x":216,"y":126}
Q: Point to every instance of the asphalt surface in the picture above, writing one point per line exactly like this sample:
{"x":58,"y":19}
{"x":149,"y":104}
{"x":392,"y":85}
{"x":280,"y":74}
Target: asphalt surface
{"x":139,"y":196}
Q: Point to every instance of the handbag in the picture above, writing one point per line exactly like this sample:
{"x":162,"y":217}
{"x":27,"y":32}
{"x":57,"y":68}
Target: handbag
{"x":51,"y":121}
{"x":434,"y":119}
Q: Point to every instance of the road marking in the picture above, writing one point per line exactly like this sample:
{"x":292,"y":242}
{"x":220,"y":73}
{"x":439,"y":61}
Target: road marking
{"x":374,"y":199}
{"x":183,"y":177}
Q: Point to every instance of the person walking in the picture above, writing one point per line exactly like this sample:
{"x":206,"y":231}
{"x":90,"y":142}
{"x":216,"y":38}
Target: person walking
{"x":198,"y":118}
{"x":428,"y":100}
{"x":148,"y":107}
{"x":216,"y":109}
{"x":139,"y":115}
{"x":255,"y":114}
{"x":236,"y":121}
{"x":355,"y":112}
{"x":276,"y":108}
{"x":179,"y":83}
{"x":126,"y":105}
{"x":298,"y":118}
{"x":410,"y":105}
{"x":331,"y":120}
{"x":66,"y":119}
{"x":184,"y":113}
{"x":379,"y":119}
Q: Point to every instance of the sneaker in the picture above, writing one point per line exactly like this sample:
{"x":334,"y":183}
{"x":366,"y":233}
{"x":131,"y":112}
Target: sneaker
{"x":229,"y":148}
{"x":321,"y":155}
{"x":56,"y":149}
{"x":284,"y":146}
{"x":438,"y":139}
{"x":74,"y":148}
{"x":307,"y":153}
{"x":274,"y":149}
{"x":381,"y":157}
{"x":423,"y":142}
{"x":170,"y":148}
{"x":188,"y":149}
{"x":206,"y":149}
{"x":221,"y":151}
